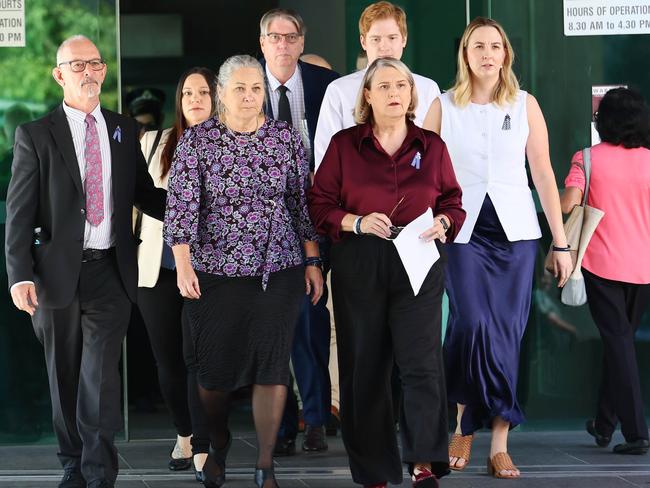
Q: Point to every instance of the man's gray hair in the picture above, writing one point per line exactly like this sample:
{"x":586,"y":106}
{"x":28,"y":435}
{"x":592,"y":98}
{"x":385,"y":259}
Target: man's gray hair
{"x":229,"y":66}
{"x":282,"y":13}
{"x":68,"y":41}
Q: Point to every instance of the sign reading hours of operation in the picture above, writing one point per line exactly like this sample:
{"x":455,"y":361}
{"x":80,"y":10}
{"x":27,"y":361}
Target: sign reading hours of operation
{"x":606,"y":17}
{"x":12,"y":23}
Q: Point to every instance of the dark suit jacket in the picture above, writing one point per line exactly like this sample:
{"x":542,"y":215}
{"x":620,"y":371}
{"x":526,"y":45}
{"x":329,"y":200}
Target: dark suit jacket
{"x":46,"y":191}
{"x":314,"y":80}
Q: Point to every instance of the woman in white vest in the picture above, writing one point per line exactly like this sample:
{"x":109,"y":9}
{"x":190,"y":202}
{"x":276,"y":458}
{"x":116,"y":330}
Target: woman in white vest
{"x":490,"y":126}
{"x":159,"y":302}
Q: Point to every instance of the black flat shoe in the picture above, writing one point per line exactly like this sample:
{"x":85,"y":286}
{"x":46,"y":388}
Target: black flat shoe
{"x":216,"y":457}
{"x":601,"y":440}
{"x":262,"y":475}
{"x":199,"y":476}
{"x":639,"y":446}
{"x":180,"y":464}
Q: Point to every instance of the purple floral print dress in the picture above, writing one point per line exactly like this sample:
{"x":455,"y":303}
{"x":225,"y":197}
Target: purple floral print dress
{"x":238,"y":199}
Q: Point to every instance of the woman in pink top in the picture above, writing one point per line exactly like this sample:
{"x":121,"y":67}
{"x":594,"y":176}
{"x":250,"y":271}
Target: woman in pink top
{"x":616,"y":265}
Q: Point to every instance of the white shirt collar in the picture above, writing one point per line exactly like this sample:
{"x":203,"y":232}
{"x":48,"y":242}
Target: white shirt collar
{"x":79,"y":115}
{"x":291,"y":82}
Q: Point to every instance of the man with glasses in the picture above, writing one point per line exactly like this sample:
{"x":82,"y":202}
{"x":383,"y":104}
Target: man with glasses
{"x":71,"y":255}
{"x":294,"y":94}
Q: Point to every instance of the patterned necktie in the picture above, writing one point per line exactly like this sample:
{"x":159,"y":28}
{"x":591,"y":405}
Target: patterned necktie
{"x":284,"y":109}
{"x":94,"y":184}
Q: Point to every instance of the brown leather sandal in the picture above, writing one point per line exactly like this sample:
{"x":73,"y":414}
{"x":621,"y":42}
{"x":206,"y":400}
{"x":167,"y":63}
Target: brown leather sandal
{"x":501,"y":461}
{"x":460,"y":447}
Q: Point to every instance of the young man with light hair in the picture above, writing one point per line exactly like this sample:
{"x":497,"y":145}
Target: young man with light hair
{"x":382,"y":33}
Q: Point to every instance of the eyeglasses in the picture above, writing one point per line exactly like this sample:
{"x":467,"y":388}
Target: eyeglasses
{"x":395,"y":229}
{"x":291,"y":38}
{"x":79,"y":65}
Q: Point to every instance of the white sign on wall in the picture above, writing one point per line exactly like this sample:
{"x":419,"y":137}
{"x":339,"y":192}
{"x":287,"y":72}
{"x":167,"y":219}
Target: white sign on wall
{"x":12,"y":23}
{"x":606,"y":17}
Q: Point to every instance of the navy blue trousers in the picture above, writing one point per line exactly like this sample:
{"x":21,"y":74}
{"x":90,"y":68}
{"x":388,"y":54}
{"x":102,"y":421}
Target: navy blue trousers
{"x":310,"y":355}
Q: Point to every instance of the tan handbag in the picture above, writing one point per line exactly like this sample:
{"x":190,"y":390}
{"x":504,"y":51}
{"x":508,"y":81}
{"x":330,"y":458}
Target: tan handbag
{"x":579,"y":228}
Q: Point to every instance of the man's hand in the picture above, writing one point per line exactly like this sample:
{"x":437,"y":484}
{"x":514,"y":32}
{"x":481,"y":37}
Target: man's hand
{"x":24,"y":297}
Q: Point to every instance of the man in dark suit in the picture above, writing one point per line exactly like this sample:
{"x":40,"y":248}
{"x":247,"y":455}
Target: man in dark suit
{"x":71,"y":255}
{"x":294,"y":93}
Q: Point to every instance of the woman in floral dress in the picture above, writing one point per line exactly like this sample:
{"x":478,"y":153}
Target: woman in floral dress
{"x":238,"y":225}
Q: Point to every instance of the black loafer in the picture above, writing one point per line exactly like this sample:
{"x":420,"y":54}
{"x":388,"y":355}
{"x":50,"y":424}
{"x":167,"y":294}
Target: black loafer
{"x":315,"y":439}
{"x":601,"y":440}
{"x":284,"y":446}
{"x":72,"y":478}
{"x":639,"y":446}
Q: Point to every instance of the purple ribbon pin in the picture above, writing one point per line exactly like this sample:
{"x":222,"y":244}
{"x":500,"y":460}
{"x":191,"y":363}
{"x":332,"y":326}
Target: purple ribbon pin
{"x":117,"y":135}
{"x":416,"y":160}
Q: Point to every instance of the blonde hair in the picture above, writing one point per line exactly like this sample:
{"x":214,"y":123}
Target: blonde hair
{"x":362,"y":109}
{"x":382,"y":10}
{"x":507,"y":87}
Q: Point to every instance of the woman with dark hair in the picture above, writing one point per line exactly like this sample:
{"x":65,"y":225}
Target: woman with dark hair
{"x":158,"y":298}
{"x":616,"y":265}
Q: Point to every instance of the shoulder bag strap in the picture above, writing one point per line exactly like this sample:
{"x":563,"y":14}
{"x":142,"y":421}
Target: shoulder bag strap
{"x":586,"y":162}
{"x":137,"y":228}
{"x":156,"y":141}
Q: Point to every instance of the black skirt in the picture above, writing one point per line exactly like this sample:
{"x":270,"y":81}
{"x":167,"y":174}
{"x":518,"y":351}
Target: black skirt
{"x":242,"y":335}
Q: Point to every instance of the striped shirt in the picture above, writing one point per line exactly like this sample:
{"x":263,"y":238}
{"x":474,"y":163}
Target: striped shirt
{"x":296,"y":96}
{"x":102,"y":235}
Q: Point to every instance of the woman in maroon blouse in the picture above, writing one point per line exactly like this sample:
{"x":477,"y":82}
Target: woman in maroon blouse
{"x":375,"y":178}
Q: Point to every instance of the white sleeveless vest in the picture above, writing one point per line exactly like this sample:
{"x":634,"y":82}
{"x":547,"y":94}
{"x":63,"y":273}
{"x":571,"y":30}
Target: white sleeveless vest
{"x":487,"y":146}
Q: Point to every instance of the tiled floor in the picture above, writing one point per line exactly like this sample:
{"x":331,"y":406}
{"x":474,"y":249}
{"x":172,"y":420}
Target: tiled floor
{"x":548,"y":459}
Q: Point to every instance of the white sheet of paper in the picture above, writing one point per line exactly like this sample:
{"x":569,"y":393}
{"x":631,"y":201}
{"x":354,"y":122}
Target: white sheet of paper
{"x":417,"y":255}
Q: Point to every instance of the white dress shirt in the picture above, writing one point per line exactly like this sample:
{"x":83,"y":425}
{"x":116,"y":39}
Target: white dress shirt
{"x":100,"y":236}
{"x":336,"y":111}
{"x":296,"y":96}
{"x":487,"y":146}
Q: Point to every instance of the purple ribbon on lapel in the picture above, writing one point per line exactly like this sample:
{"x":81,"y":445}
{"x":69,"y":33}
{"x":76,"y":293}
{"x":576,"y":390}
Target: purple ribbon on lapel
{"x":117,"y":135}
{"x":416,"y":160}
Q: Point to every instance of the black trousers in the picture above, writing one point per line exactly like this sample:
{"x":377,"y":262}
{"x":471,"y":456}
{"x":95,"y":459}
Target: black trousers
{"x":82,"y":345}
{"x":161,"y":308}
{"x":378,"y":321}
{"x":616,"y":308}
